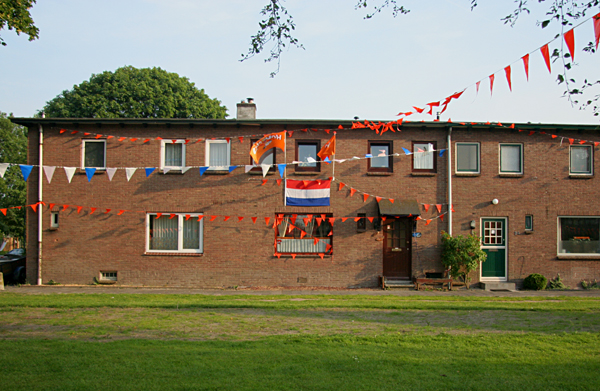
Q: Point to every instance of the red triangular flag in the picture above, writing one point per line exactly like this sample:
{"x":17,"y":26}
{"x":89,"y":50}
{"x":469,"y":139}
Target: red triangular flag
{"x":378,"y":199}
{"x":344,"y":219}
{"x":452,"y":208}
{"x":302,"y":234}
{"x":525,"y":59}
{"x":200,"y":217}
{"x":316,"y":240}
{"x":278,"y":255}
{"x":428,"y":221}
{"x":341,"y":186}
{"x":293,"y":256}
{"x":241,"y":138}
{"x":582,"y":142}
{"x":267,"y":219}
{"x":212,"y":218}
{"x":352,"y":191}
{"x":264,"y":182}
{"x":158,"y":215}
{"x":293,"y":219}
{"x":370,"y":219}
{"x":51,"y":206}
{"x":3,"y":211}
{"x":442,"y":217}
{"x":531,"y":132}
{"x":318,"y":221}
{"x":426,"y":207}
{"x":172,"y":215}
{"x":306,"y":221}
{"x":240,"y":218}
{"x":278,"y":182}
{"x":92,"y":210}
{"x":107,"y":210}
{"x":383,"y":218}
{"x":79,"y":209}
{"x":365,"y":196}
{"x":225,"y":219}
{"x":290,"y":133}
{"x":554,"y":136}
{"x":571,"y":141}
{"x":439,"y":208}
{"x":331,"y":220}
{"x":357,"y":218}
{"x":597,"y":28}
{"x":328,"y":247}
{"x":391,"y":200}
{"x":546,"y":55}
{"x":492,"y":84}
{"x":570,"y":40}
{"x":65,"y":207}
{"x":321,"y":255}
{"x":507,"y":71}
{"x":34,"y":207}
{"x":253,"y":220}
{"x":120,"y":212}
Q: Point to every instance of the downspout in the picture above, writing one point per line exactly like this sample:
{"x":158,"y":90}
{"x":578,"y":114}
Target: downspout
{"x":449,"y":181}
{"x":40,"y":198}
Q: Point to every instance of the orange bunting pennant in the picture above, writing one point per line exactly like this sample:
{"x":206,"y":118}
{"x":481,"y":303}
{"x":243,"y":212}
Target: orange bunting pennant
{"x":278,"y":255}
{"x":319,"y":220}
{"x":240,"y":218}
{"x":290,"y":133}
{"x":315,"y":241}
{"x":65,"y":207}
{"x":120,"y":212}
{"x":554,"y":136}
{"x":62,"y":131}
{"x":452,"y":208}
{"x":146,"y":140}
{"x":344,"y":219}
{"x":302,"y":234}
{"x":352,"y":191}
{"x":383,"y":218}
{"x":79,"y":209}
{"x":279,"y":182}
{"x":391,"y":200}
{"x":98,"y":136}
{"x":370,"y":219}
{"x":328,"y":248}
{"x":571,"y":141}
{"x":357,"y":218}
{"x":597,"y":29}
{"x":327,"y":131}
{"x":122,"y":138}
{"x":200,"y":217}
{"x":570,"y":41}
{"x":546,"y":54}
{"x":427,"y":222}
{"x":212,"y":218}
{"x":507,"y":72}
{"x":582,"y":142}
{"x":442,"y":217}
{"x":172,"y":215}
{"x":426,"y":207}
{"x":3,"y":210}
{"x":225,"y":219}
{"x":342,"y":184}
{"x":254,"y":220}
{"x":34,"y":207}
{"x":439,"y":208}
{"x":293,"y":219}
{"x":158,"y":215}
{"x":107,"y":211}
{"x":525,"y":59}
{"x":378,"y":199}
{"x":321,"y":255}
{"x":267,"y":219}
{"x":365,"y":196}
{"x":306,"y":221}
{"x":51,"y":206}
{"x":492,"y":84}
{"x":133,"y":139}
{"x":418,"y":218}
{"x":241,"y":138}
{"x":264,"y":182}
{"x":293,"y":256}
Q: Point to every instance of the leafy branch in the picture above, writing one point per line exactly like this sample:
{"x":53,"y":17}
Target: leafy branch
{"x":396,"y":9}
{"x":14,"y":14}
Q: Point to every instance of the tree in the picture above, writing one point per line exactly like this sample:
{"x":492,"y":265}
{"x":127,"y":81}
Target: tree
{"x":462,"y":255}
{"x":14,"y":14}
{"x":278,"y":26}
{"x":135,"y":93}
{"x":13,"y":149}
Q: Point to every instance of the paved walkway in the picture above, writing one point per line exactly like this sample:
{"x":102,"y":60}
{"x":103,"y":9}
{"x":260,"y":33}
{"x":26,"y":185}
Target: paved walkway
{"x":92,"y":289}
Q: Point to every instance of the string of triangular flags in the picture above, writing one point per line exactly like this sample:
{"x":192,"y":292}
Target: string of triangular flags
{"x":569,"y":38}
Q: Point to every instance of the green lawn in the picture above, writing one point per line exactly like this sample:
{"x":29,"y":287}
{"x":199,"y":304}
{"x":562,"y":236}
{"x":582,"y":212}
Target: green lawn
{"x":329,"y":342}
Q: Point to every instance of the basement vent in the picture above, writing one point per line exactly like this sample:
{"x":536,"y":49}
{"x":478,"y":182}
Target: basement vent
{"x":302,"y":280}
{"x":108,"y":276}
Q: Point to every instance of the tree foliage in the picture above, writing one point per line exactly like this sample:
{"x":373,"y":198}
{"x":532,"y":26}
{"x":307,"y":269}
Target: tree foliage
{"x":278,"y":26}
{"x":130,"y":92}
{"x":14,"y":15}
{"x":13,"y":149}
{"x":462,"y":255}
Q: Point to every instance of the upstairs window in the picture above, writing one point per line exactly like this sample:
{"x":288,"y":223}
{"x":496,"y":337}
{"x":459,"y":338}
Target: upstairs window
{"x":93,"y":154}
{"x":424,"y":156}
{"x":467,"y":158}
{"x":381,"y":160}
{"x":292,"y":240}
{"x":306,"y":153}
{"x":580,"y":160}
{"x":511,"y":158}
{"x":217,"y":155}
{"x":172,"y":154}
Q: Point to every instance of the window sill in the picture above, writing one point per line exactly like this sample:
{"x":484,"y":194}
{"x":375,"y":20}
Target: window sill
{"x":509,"y":175}
{"x":379,"y":173}
{"x":580,"y":257}
{"x":423,"y":173}
{"x":468,"y":174}
{"x":152,"y":254}
{"x":581,"y":176}
{"x":316,"y":255}
{"x":307,"y":173}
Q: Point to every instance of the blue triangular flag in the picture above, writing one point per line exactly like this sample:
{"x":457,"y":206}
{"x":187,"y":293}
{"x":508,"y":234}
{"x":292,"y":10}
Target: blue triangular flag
{"x":368,"y":155}
{"x":281,"y":168}
{"x":25,"y":170}
{"x":149,"y":170}
{"x":442,"y":152}
{"x":203,"y":170}
{"x":406,"y":151}
{"x":90,"y":173}
{"x":231,"y":168}
{"x":327,"y":160}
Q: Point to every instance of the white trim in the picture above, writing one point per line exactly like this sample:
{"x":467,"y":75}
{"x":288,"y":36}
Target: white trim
{"x":83,"y":142}
{"x":54,"y":220}
{"x":558,"y":233}
{"x":505,"y":248}
{"x":180,"y":220}
{"x":521,"y":157}
{"x":207,"y":155}
{"x":456,"y":145}
{"x":591,"y":172}
{"x":162,"y":154}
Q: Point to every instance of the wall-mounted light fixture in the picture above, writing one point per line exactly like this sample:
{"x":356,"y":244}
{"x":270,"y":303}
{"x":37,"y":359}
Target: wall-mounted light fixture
{"x":495,"y":201}
{"x":473,"y":224}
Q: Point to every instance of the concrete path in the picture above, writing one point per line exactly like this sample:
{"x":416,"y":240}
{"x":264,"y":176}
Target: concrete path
{"x":92,"y":289}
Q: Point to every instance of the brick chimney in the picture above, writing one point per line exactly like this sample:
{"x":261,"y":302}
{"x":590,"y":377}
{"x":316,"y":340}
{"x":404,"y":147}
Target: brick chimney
{"x":246,"y":110}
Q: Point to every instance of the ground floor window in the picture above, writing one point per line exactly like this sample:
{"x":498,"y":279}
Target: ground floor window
{"x":579,"y":235}
{"x":304,"y":233}
{"x":174,"y":232}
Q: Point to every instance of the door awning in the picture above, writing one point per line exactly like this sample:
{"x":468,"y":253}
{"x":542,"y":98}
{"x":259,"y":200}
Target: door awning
{"x":398,"y":208}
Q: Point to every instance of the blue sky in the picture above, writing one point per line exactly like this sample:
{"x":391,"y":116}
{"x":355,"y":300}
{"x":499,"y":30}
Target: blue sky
{"x":372,"y":69}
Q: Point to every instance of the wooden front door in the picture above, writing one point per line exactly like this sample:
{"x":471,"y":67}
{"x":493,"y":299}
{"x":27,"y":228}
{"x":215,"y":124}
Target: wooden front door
{"x":397,"y":235}
{"x":493,"y":238}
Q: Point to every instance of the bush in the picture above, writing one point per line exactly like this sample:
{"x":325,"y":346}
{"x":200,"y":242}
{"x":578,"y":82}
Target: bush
{"x":535,"y":282}
{"x":590,"y":284}
{"x":557,"y":283}
{"x":462,"y":255}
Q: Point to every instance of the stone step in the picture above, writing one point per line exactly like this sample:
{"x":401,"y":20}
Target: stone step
{"x":498,"y":286}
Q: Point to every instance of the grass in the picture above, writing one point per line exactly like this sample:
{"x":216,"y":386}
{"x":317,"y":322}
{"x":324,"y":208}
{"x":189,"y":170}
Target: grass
{"x":329,"y":342}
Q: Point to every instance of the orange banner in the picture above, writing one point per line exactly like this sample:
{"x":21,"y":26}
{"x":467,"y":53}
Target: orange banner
{"x":269,"y":141}
{"x":328,"y":149}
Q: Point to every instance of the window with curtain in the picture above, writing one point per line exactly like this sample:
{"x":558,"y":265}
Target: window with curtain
{"x":467,"y":158}
{"x":290,"y":238}
{"x":173,"y":154}
{"x":381,"y":160}
{"x":511,"y":158}
{"x":94,"y":154}
{"x":217,"y":154}
{"x":424,"y":156}
{"x":178,"y":232}
{"x":580,"y":160}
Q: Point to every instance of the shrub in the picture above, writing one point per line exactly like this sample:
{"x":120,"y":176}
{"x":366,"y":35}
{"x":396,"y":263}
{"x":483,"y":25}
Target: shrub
{"x":590,"y":284}
{"x":557,"y":283}
{"x":462,"y":255}
{"x":535,"y":282}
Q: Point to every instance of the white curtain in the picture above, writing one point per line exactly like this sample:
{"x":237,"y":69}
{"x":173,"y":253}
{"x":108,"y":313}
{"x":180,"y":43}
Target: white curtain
{"x":510,"y":158}
{"x":191,"y":234}
{"x":163,"y":233}
{"x":423,"y":160}
{"x":173,"y":155}
{"x":218,"y":155}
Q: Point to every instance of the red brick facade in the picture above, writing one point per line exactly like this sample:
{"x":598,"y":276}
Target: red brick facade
{"x":240,"y":253}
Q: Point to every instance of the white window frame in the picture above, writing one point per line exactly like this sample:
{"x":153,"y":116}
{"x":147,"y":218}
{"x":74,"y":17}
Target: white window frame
{"x":589,"y":147}
{"x":520,"y":158}
{"x":180,"y":220}
{"x":478,"y":171}
{"x":54,"y":221}
{"x":207,"y":155}
{"x":83,"y":142}
{"x":558,"y":237}
{"x":108,"y":276}
{"x":163,"y":150}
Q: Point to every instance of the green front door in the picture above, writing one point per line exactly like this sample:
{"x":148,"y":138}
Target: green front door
{"x":493,"y":243}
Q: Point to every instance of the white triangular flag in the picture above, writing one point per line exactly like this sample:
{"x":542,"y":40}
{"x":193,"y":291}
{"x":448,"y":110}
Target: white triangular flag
{"x":111,"y":172}
{"x":248,"y":167}
{"x":49,"y":171}
{"x":185,"y":169}
{"x":166,"y":169}
{"x":70,"y":171}
{"x":265,"y":169}
{"x":339,"y":160}
{"x":3,"y":167}
{"x":129,"y":172}
{"x":310,"y":159}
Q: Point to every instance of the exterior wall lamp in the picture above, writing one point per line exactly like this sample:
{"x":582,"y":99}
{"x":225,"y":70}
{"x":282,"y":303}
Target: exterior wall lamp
{"x":495,"y":201}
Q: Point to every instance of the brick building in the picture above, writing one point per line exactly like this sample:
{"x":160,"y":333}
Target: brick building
{"x":200,"y":220}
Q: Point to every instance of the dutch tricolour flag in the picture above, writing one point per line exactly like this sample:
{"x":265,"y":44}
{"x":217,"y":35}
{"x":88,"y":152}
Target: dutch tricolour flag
{"x":307,"y":193}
